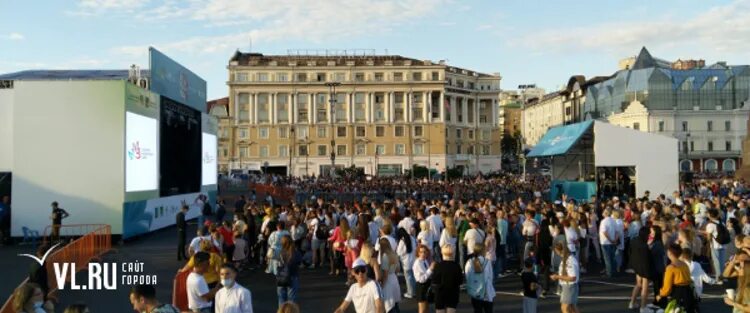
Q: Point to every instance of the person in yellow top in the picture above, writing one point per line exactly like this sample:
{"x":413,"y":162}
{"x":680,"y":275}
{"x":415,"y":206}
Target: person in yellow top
{"x":677,"y":282}
{"x":214,"y":266}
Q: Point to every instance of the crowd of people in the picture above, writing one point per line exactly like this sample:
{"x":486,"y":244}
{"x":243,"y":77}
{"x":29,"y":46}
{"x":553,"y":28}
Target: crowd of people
{"x":462,"y":243}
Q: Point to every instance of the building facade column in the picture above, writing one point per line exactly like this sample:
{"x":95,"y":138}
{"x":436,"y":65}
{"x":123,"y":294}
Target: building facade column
{"x":273,"y":114}
{"x":311,"y":110}
{"x":290,"y":107}
{"x":465,"y":110}
{"x":314,"y":105}
{"x":391,"y":107}
{"x":350,"y":108}
{"x":408,"y":98}
{"x":236,"y":108}
{"x":443,"y":100}
{"x":425,"y":104}
{"x":494,"y":113}
{"x":255,"y":108}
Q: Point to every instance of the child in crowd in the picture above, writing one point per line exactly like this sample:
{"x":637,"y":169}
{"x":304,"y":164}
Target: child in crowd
{"x":531,"y":288}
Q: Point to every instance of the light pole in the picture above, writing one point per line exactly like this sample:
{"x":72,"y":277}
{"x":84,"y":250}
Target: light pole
{"x":687,"y":152}
{"x":291,"y":149}
{"x":332,"y":100}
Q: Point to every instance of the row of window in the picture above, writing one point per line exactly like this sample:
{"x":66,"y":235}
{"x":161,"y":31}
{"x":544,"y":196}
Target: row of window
{"x":710,"y":165}
{"x":709,"y":146}
{"x":336,"y":77}
{"x":685,"y":128}
{"x":360,"y":150}
{"x":359,"y":131}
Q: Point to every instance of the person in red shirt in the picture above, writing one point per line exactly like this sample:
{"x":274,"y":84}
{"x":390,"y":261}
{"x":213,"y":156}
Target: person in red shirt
{"x":228,"y":245}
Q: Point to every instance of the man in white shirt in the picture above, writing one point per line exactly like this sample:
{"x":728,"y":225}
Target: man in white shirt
{"x":717,"y":249}
{"x":436,"y":224}
{"x":233,"y":298}
{"x":199,"y":295}
{"x":474,"y":236}
{"x":365,"y":293}
{"x":609,"y":241}
{"x":696,"y":272}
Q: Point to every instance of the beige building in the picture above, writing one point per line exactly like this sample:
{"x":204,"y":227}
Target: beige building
{"x":389,"y":113}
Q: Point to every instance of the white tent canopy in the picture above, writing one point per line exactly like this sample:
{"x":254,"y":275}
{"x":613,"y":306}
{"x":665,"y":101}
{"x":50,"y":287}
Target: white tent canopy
{"x":655,"y":157}
{"x":577,"y":149}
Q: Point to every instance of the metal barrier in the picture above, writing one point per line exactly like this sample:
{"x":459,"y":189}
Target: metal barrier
{"x":79,"y":251}
{"x":348,"y":197}
{"x":70,"y":232}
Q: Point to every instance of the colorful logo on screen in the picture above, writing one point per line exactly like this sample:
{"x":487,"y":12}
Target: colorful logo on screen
{"x":208,"y":158}
{"x":137,"y":153}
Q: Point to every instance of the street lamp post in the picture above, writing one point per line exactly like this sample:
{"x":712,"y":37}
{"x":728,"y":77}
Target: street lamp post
{"x":332,"y":100}
{"x":291,"y":149}
{"x":687,"y":152}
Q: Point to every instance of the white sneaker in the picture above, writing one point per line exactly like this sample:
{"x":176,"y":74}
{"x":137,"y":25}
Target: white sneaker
{"x":719,"y":283}
{"x":408,"y":296}
{"x":632,"y":306}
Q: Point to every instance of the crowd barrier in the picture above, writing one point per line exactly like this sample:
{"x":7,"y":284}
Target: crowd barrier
{"x":91,"y":245}
{"x":344,"y":197}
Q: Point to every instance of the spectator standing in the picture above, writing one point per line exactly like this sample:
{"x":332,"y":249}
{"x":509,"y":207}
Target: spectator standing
{"x":233,"y":298}
{"x":713,"y":229}
{"x":640,"y":263}
{"x":365,"y":293}
{"x":58,"y":214}
{"x":479,"y":280}
{"x":287,"y":273}
{"x":447,"y":276}
{"x":200,"y":296}
{"x":568,"y":277}
{"x":608,"y":240}
{"x":389,"y":263}
{"x":531,"y":288}
{"x":143,"y":299}
{"x":406,"y":249}
{"x":181,"y":233}
{"x":677,"y":282}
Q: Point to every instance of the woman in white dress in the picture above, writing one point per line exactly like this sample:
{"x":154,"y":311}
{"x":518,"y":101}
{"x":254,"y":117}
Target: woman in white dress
{"x":389,"y":264}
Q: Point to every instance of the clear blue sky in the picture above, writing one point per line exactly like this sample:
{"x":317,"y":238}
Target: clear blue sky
{"x":526,"y":41}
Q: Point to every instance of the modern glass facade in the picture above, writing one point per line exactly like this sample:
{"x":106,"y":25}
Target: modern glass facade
{"x":659,"y":87}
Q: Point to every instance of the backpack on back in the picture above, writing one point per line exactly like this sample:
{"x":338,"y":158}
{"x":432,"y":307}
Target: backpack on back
{"x":475,"y":283}
{"x":722,"y":234}
{"x":322,"y":232}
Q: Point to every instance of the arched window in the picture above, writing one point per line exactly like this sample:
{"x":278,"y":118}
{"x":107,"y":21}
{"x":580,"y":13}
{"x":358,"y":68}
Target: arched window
{"x":711,"y":165}
{"x":728,"y":165}
{"x":686,"y":166}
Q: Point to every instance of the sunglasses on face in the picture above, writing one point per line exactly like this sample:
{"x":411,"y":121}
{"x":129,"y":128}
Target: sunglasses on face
{"x":360,"y":270}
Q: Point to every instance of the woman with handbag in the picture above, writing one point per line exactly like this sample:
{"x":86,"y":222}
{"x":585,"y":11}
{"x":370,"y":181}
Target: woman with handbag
{"x":422,"y":269}
{"x":287,"y":271}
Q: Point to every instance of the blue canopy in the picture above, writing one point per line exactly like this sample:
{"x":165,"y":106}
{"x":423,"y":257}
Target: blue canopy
{"x":558,"y":140}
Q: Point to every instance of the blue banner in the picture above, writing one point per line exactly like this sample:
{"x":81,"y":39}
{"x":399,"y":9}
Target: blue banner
{"x":559,"y":140}
{"x":174,"y":81}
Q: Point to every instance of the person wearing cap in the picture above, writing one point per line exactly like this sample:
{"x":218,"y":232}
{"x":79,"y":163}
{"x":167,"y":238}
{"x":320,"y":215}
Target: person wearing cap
{"x":365,"y":293}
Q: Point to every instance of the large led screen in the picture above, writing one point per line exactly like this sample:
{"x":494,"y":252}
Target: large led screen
{"x":141,"y":159}
{"x":209,"y":174}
